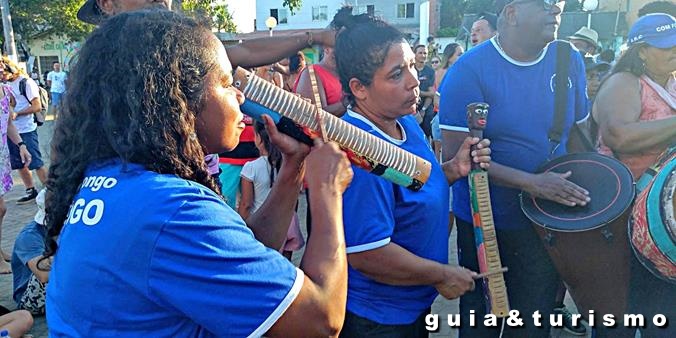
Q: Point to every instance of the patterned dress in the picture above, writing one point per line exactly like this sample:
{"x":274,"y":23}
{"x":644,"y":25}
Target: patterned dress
{"x":5,"y":167}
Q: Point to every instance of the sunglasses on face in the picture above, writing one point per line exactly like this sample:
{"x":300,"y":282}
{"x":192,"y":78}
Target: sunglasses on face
{"x":547,"y":5}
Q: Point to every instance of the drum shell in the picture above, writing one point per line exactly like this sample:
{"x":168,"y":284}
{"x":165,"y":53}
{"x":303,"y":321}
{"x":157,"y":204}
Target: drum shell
{"x":595,"y":269}
{"x":652,"y":225}
{"x":589,"y":246}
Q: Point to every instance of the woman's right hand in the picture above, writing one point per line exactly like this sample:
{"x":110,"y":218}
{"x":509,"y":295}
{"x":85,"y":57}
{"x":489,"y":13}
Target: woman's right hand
{"x":327,"y":167}
{"x":456,"y":281}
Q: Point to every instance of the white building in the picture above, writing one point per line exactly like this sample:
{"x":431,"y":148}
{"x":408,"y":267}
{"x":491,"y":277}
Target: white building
{"x":243,"y":14}
{"x":404,"y":14}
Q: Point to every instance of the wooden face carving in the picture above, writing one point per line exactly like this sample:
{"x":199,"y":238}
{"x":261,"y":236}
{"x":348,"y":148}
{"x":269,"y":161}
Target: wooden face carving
{"x":476,"y":115}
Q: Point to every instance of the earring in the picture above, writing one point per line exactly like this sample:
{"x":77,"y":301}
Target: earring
{"x":193,"y":136}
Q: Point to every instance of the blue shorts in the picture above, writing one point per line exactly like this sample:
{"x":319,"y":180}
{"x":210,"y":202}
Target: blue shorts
{"x":56,"y":98}
{"x":31,"y":140}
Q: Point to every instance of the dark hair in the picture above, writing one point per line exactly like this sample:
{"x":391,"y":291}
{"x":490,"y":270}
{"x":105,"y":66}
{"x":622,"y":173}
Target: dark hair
{"x":492,"y":19}
{"x":415,"y":50}
{"x":372,"y":37}
{"x":630,"y":62}
{"x":274,"y":155}
{"x":449,"y":51}
{"x":55,"y":62}
{"x":667,"y":7}
{"x":133,"y":95}
{"x":296,"y":61}
{"x":607,"y":55}
{"x":430,"y":38}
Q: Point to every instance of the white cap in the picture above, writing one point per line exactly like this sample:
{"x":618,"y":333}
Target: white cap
{"x":40,"y":201}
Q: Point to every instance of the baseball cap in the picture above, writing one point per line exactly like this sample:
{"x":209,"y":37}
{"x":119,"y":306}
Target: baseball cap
{"x":40,"y":201}
{"x":90,"y":13}
{"x":657,"y":30}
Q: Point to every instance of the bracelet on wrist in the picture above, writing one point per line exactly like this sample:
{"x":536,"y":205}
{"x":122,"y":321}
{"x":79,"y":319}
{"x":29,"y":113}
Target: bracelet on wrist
{"x":22,"y":143}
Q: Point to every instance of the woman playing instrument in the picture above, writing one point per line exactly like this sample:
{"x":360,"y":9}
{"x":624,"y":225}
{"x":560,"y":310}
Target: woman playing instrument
{"x":397,"y":239}
{"x":635,"y":109}
{"x":145,"y":240}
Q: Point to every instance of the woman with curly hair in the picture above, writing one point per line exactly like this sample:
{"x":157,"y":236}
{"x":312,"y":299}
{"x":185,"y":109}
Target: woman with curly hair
{"x":143,"y":243}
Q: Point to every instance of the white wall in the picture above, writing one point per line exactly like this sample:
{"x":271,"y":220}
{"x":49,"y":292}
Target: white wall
{"x":302,"y":18}
{"x":243,"y":13}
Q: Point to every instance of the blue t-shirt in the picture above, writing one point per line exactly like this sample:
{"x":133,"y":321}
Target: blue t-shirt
{"x":377,"y":212}
{"x":149,"y":255}
{"x":30,"y":243}
{"x":521,"y":113}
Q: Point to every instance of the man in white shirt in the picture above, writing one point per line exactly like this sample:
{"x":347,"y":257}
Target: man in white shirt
{"x":56,"y":81}
{"x":27,"y":104}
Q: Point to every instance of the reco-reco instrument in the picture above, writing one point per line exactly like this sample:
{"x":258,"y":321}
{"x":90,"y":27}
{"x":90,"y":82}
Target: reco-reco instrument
{"x":298,"y":118}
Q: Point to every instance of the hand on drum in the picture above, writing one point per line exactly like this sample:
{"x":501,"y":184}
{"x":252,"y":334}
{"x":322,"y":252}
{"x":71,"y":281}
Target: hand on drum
{"x":555,"y":187}
{"x":456,"y":281}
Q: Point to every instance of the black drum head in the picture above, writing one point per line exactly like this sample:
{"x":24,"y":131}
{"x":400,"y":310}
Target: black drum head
{"x":610,"y":186}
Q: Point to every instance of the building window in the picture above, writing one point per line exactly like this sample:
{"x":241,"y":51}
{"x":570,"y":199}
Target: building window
{"x":280,"y":14}
{"x":406,"y":11}
{"x":320,"y":13}
{"x":369,"y":9}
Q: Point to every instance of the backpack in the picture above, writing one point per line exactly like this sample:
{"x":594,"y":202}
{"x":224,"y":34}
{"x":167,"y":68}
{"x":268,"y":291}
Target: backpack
{"x":38,"y":117}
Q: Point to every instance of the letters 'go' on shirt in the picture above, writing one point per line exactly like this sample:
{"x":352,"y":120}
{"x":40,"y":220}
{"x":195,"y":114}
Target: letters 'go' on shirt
{"x":150,"y":255}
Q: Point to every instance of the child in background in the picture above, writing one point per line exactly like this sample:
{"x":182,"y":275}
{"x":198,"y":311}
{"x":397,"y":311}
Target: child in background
{"x":257,"y":178}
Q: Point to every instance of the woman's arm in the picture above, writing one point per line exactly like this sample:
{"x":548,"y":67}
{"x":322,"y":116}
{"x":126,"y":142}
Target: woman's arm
{"x":617,"y":109}
{"x":246,"y":198}
{"x":319,"y":309}
{"x":394,"y":265}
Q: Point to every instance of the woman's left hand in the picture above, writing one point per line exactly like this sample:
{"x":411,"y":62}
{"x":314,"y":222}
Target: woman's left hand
{"x":461,"y":164}
{"x":25,"y":156}
{"x":481,"y":155}
{"x":291,"y":149}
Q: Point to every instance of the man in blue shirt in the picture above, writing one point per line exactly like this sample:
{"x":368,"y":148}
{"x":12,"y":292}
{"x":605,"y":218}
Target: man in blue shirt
{"x":515,"y":73}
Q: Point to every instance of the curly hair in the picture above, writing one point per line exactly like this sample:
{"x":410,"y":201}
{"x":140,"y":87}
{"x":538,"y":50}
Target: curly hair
{"x":133,"y":95}
{"x":361,"y":47}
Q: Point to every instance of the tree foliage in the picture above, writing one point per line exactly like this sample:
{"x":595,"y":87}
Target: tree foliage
{"x":34,"y":17}
{"x":452,"y":11}
{"x":292,"y":5}
{"x":217,"y":14}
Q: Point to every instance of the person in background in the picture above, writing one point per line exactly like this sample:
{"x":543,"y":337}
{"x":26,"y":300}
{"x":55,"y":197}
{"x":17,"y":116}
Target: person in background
{"x":31,"y":272}
{"x":328,"y":85}
{"x":290,"y":68}
{"x":435,"y":63}
{"x":268,"y":73}
{"x":586,"y":40}
{"x":16,"y":323}
{"x":432,"y":48}
{"x":27,"y":104}
{"x":8,"y":133}
{"x":667,"y":7}
{"x":452,"y":52}
{"x":425,"y":111}
{"x":258,"y":177}
{"x":56,"y":81}
{"x":187,"y":265}
{"x":484,"y":28}
{"x":635,"y":110}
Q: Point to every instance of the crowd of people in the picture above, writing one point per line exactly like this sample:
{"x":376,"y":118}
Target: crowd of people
{"x":180,"y":217}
